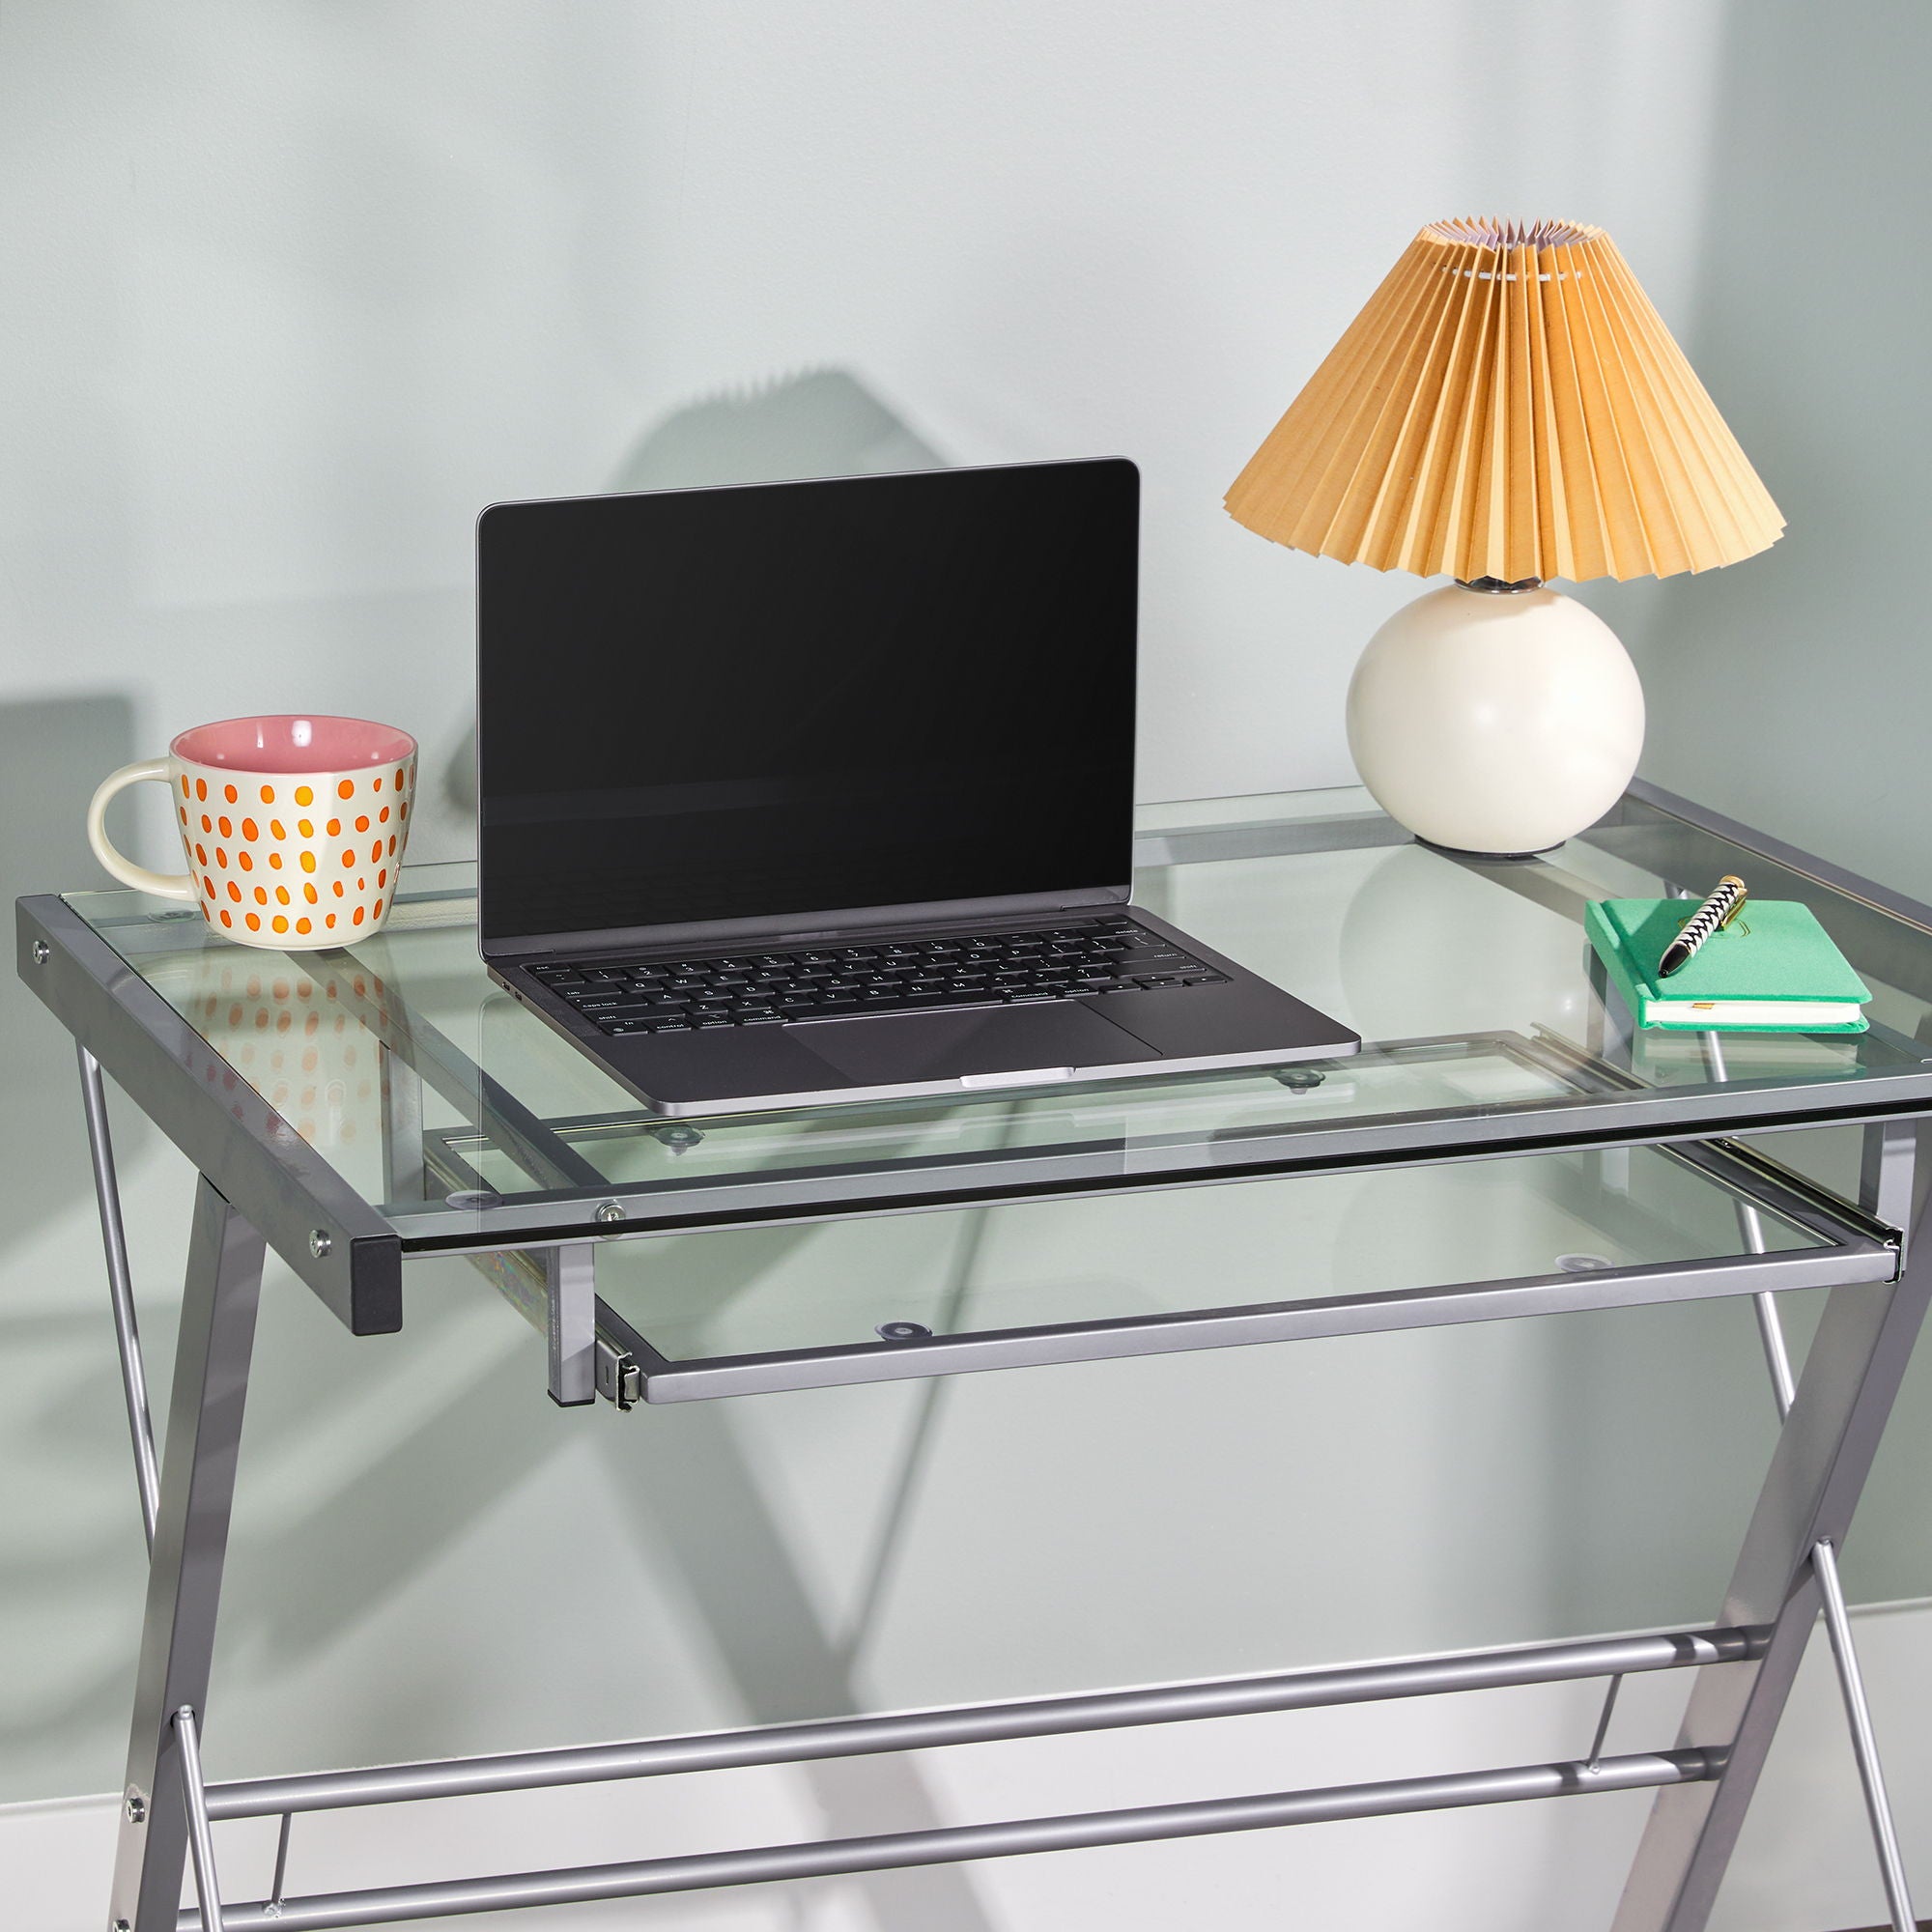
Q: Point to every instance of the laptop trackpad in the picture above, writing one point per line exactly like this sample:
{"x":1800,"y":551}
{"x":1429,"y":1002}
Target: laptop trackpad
{"x":897,"y":1048}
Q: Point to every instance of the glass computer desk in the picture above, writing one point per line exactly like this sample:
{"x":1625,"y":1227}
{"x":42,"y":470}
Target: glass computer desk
{"x":356,"y":1110}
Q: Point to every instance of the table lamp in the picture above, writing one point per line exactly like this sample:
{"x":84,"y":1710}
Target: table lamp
{"x":1507,"y":409}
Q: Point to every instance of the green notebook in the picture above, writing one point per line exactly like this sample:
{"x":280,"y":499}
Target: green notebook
{"x":1774,"y":969}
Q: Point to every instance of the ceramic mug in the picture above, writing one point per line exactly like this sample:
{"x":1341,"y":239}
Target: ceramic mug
{"x":294,"y":827}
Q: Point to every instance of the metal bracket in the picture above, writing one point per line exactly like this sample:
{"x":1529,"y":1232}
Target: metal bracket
{"x":570,"y":1286}
{"x":619,"y":1377}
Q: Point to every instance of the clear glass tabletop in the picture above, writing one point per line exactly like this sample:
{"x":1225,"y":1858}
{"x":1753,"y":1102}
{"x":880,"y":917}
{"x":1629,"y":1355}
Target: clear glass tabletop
{"x":468,"y":1123}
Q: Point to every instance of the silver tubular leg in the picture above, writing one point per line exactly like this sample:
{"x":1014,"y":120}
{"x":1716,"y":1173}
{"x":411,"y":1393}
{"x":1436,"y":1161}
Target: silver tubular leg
{"x":200,"y":1836}
{"x":1845,"y":1658}
{"x":1596,"y":1756}
{"x":211,"y":1387}
{"x":1818,"y":1469}
{"x":1864,"y":1743}
{"x":281,"y":1877}
{"x":120,"y":1289}
{"x":571,"y":1287}
{"x":1777,"y":1357}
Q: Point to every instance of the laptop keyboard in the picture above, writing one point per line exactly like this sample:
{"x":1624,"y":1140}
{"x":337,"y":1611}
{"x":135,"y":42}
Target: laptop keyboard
{"x":1064,"y":962}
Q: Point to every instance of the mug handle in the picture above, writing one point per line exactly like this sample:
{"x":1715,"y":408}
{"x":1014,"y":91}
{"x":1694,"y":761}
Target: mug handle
{"x":163,"y":885}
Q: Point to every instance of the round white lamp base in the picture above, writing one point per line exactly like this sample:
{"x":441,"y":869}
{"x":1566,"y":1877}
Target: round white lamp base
{"x":1496,"y":721}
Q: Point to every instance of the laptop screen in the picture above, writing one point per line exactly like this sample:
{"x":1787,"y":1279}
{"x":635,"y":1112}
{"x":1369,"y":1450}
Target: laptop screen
{"x":783,"y":699}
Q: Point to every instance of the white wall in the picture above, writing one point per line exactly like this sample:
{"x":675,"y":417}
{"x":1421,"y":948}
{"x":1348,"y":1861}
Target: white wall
{"x":294,"y":288}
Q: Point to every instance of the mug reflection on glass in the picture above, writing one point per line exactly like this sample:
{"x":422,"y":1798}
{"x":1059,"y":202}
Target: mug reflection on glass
{"x":293,"y":827}
{"x":293,"y":1034}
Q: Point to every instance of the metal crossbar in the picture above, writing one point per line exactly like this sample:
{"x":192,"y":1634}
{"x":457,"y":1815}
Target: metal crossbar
{"x":987,"y":1723}
{"x":955,"y":1844}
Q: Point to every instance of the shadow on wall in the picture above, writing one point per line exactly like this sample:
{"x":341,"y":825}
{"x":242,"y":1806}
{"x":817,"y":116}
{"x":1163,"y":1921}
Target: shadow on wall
{"x":823,"y":423}
{"x":1820,"y":374}
{"x":54,"y":751}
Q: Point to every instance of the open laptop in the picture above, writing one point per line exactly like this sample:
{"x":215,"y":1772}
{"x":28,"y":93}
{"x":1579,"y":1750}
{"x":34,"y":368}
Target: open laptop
{"x":802,"y":793}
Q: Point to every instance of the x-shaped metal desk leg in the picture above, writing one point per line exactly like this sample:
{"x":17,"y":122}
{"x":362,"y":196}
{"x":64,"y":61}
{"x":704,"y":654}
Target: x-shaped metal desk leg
{"x":1786,"y":1570}
{"x":197,"y":1491}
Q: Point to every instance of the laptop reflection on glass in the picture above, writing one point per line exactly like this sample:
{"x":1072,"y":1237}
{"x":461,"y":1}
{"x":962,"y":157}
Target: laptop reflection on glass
{"x":794,"y":793}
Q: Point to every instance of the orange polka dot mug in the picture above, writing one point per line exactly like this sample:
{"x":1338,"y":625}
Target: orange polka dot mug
{"x":294,"y":827}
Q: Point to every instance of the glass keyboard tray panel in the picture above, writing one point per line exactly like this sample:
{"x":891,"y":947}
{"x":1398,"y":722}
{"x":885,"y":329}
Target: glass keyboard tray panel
{"x":761,"y":1309}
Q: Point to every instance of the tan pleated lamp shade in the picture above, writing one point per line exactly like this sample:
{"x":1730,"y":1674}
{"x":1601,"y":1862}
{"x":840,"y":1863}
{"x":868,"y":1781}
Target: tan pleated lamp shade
{"x":1509,"y":405}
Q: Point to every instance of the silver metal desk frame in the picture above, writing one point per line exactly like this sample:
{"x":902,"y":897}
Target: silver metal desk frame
{"x":1742,"y":1664}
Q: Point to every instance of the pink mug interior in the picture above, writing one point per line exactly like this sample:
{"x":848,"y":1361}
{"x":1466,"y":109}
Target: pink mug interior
{"x":298,"y":744}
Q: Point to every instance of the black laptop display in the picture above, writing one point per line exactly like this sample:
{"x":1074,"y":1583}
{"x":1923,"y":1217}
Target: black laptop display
{"x":709,"y":719}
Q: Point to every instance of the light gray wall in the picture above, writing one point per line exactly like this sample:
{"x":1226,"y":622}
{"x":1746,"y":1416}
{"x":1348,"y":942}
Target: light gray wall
{"x":292,"y":290}
{"x":1793,"y":689}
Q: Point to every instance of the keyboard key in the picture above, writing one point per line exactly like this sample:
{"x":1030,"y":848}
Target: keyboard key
{"x":1106,"y":955}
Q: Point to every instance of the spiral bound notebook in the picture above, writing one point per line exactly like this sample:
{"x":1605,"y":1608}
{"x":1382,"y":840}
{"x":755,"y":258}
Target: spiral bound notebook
{"x":1774,"y":969}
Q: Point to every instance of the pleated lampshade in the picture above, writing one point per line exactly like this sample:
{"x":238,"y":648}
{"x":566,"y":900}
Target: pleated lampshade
{"x":1508,"y":405}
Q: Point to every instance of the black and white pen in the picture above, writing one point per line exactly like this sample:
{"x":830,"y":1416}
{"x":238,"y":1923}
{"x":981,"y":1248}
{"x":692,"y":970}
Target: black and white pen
{"x":1718,"y":910}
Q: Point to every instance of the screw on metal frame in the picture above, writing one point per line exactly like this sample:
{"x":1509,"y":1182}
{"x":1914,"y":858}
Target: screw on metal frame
{"x":136,"y":1806}
{"x":42,"y":953}
{"x":320,"y":1241}
{"x":610,"y":1211}
{"x":1581,"y":1263}
{"x":901,"y":1331}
